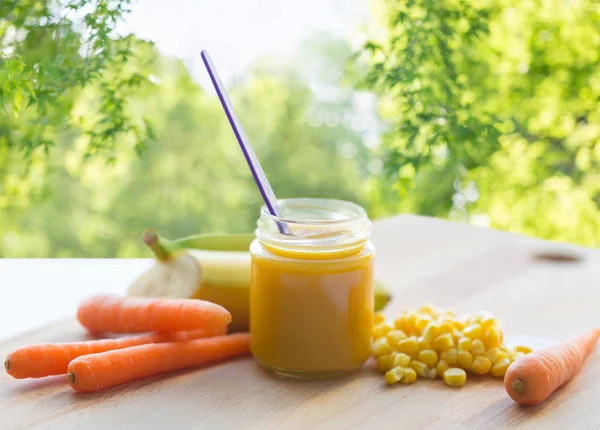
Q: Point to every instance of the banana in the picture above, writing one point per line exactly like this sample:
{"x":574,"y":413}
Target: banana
{"x":207,"y":242}
{"x":208,"y":267}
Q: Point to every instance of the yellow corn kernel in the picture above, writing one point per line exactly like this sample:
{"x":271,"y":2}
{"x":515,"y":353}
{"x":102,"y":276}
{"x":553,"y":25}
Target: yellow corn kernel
{"x":455,"y":377}
{"x":431,"y":373}
{"x":447,"y":318}
{"x":476,"y":317}
{"x":399,"y":322}
{"x":500,"y":366}
{"x":477,"y":347}
{"x":483,"y":314}
{"x":401,"y":359}
{"x":445,"y":327}
{"x":443,"y":342}
{"x":394,"y":375}
{"x":494,"y":354}
{"x":386,"y":362}
{"x":458,"y":324}
{"x":409,"y":322}
{"x":429,"y":308}
{"x":422,"y":343}
{"x":450,"y":356}
{"x":381,"y":330}
{"x":395,"y":336}
{"x":473,"y":331}
{"x":420,"y":368}
{"x":464,"y":344}
{"x":412,"y":315}
{"x":448,"y":313}
{"x":464,"y":321}
{"x":489,"y":322}
{"x":493,"y":338}
{"x":408,"y":346}
{"x":515,"y":355}
{"x":481,"y":365}
{"x":441,"y":367}
{"x":457,"y":335}
{"x":465,"y":360}
{"x":523,"y":349}
{"x":409,"y":377}
{"x":378,"y":318}
{"x":381,"y":347}
{"x":429,"y":357}
{"x":422,"y":321}
{"x":431,"y":331}
{"x":470,"y":319}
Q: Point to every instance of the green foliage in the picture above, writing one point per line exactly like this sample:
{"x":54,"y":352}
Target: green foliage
{"x":50,"y":51}
{"x":491,"y":109}
{"x":494,"y":112}
{"x":193,"y":178}
{"x":64,"y":74}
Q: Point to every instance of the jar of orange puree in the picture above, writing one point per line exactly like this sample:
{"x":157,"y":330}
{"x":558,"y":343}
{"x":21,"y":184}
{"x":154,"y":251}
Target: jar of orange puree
{"x":311,"y":292}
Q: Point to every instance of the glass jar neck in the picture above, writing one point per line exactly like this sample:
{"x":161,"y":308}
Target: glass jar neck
{"x":314,"y":229}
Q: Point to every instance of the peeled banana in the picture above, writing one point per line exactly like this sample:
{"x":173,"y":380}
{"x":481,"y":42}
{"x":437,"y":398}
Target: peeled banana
{"x":208,"y":267}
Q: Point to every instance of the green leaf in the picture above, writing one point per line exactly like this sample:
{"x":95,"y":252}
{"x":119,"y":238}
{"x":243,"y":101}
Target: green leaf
{"x":17,"y":99}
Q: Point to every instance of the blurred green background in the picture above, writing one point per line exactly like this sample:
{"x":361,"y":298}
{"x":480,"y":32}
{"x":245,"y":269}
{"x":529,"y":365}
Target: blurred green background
{"x":484,"y":112}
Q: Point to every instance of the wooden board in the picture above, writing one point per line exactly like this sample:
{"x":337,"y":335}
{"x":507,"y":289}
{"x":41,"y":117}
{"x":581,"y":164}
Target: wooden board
{"x":422,"y":260}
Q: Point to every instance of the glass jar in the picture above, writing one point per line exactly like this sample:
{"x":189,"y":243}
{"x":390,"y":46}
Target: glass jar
{"x":311,"y":289}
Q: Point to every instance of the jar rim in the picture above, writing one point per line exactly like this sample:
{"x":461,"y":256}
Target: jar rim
{"x":317,"y":224}
{"x":352,"y":211}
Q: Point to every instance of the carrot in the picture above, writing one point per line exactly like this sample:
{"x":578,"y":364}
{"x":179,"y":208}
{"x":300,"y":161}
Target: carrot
{"x":105,"y":313}
{"x":36,"y":361}
{"x":533,"y":378}
{"x":106,"y":369}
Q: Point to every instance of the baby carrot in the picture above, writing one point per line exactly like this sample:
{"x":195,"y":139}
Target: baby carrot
{"x":36,"y":361}
{"x":106,"y":313}
{"x":532,"y":378}
{"x":106,"y":369}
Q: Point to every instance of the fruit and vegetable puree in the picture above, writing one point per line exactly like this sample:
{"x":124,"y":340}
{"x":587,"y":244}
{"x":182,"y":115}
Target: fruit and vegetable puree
{"x":311,"y":295}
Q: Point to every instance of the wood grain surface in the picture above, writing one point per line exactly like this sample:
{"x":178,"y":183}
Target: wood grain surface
{"x":540,"y":294}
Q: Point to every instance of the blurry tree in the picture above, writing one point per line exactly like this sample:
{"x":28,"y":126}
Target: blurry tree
{"x":193,"y":178}
{"x":51,"y":52}
{"x":493,"y":113}
{"x":71,"y":87}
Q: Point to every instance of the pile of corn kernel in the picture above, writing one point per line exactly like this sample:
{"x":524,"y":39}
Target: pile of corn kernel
{"x":432,"y":342}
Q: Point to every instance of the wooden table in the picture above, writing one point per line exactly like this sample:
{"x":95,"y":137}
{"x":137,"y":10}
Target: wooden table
{"x":468,"y":268}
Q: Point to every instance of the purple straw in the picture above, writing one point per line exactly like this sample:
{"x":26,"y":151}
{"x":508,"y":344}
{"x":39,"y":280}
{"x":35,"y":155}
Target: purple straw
{"x":257,"y":172}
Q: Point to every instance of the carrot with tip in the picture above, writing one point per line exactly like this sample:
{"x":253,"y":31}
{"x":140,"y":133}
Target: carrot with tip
{"x":36,"y":361}
{"x":533,"y":378}
{"x":106,"y":369}
{"x":106,"y":313}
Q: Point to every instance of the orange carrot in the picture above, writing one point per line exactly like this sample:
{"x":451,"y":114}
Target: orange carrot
{"x":36,"y":361}
{"x":533,"y":378}
{"x":106,"y":369}
{"x":105,"y":313}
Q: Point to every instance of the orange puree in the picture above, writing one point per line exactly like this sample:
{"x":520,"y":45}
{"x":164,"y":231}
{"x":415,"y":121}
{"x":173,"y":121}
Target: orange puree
{"x":311,"y":310}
